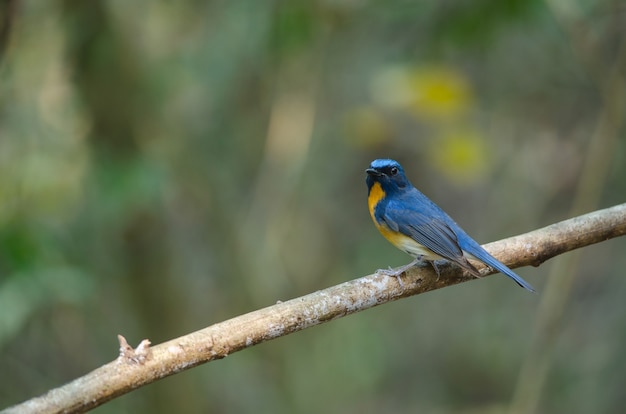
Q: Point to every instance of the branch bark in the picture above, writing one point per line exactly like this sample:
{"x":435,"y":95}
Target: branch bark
{"x":143,"y":365}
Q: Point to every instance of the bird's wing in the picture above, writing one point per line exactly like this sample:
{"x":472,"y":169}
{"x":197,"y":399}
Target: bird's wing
{"x":431,"y":232}
{"x":427,"y":231}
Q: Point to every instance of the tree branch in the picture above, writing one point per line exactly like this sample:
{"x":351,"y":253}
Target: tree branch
{"x":143,"y":365}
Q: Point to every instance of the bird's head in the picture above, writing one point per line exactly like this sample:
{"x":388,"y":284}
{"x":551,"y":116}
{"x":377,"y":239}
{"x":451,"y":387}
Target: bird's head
{"x":388,"y":173}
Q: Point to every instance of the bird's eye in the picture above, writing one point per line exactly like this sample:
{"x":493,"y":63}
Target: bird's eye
{"x":394,"y":170}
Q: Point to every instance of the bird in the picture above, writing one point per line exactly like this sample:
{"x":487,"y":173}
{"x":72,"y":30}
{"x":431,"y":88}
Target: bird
{"x":416,"y":225}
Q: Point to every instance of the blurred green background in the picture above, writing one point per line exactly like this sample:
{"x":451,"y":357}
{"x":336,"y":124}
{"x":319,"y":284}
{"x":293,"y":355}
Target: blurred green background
{"x":168,"y":165}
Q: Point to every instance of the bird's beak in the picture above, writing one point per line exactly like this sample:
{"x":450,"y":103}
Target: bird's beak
{"x":375,"y":173}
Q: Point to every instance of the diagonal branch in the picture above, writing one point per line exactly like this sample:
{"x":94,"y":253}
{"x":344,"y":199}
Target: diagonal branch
{"x":143,"y":365}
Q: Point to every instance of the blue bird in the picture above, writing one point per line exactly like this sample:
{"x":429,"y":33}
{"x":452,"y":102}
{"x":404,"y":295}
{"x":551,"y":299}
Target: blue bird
{"x":419,"y":227}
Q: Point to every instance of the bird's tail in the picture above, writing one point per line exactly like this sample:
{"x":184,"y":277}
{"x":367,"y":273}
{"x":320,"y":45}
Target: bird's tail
{"x":482,"y":255}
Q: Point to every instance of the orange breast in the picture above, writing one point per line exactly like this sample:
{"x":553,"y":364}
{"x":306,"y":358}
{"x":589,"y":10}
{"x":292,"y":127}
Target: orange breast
{"x":376,"y":194}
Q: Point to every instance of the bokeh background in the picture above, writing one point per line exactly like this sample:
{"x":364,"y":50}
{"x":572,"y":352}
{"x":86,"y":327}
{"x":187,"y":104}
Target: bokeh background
{"x":168,"y":165}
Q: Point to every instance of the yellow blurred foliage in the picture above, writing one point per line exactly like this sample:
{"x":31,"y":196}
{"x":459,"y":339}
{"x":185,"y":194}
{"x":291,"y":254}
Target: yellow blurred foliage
{"x":431,"y":92}
{"x":461,"y":155}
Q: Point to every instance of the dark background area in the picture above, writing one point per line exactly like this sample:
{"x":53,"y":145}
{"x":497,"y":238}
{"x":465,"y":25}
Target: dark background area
{"x":168,"y":165}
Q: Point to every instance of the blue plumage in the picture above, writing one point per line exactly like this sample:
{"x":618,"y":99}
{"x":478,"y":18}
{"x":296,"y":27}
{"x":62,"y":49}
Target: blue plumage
{"x":419,"y":227}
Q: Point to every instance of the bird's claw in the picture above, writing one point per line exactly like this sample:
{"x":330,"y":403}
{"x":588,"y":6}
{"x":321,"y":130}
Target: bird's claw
{"x":393,"y":273}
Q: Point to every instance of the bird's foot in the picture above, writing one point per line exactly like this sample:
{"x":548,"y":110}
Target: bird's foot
{"x":434,"y":265}
{"x":392,"y":273}
{"x":397,"y":273}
